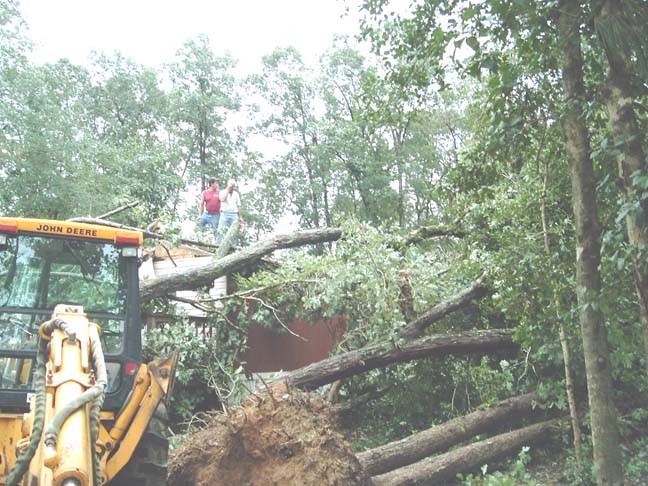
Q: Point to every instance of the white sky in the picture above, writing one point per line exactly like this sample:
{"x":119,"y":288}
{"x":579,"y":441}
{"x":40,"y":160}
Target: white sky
{"x":151,"y":31}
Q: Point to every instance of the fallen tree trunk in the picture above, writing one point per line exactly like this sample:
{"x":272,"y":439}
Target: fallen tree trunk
{"x":383,"y":354}
{"x":476,"y":290}
{"x":435,"y":470}
{"x":441,"y":437}
{"x":196,"y":277}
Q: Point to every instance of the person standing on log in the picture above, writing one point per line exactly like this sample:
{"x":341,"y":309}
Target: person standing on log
{"x":210,"y":206}
{"x":230,"y":211}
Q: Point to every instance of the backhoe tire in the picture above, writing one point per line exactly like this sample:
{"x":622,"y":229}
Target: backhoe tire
{"x":148,"y":466}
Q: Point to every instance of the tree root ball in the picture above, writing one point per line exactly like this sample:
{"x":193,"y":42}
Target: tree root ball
{"x":269,"y":440}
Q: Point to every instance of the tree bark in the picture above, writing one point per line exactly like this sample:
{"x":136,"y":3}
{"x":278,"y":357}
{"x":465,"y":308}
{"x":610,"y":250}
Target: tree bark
{"x":562,"y":334}
{"x":627,"y":136}
{"x":406,"y":296}
{"x":476,"y":290}
{"x":441,"y":437}
{"x":196,"y":277}
{"x":435,"y":470}
{"x":384,"y":354}
{"x":605,"y":434}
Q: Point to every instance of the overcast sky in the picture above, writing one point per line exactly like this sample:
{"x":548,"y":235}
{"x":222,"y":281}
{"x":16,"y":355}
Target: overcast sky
{"x":151,"y":31}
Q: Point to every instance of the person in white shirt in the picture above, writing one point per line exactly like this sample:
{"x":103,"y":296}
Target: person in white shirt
{"x":230,"y":210}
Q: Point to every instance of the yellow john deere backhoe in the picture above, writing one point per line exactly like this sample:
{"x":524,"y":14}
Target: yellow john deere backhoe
{"x":77,"y":407}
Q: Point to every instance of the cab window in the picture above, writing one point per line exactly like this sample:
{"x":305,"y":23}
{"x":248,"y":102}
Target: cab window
{"x":37,"y":273}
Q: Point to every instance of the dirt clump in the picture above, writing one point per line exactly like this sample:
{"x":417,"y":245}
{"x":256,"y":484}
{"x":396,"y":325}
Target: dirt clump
{"x":286,"y":439}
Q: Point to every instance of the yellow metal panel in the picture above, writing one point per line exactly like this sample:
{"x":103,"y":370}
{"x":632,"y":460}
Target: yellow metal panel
{"x":141,"y":385}
{"x":70,"y":229}
{"x":157,"y":385}
{"x":25,"y":368}
{"x":134,"y":434}
{"x":10,"y":434}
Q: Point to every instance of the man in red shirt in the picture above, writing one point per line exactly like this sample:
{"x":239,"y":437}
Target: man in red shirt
{"x":209,"y":206}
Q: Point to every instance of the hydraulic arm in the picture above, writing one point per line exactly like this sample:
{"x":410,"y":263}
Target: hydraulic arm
{"x":66,"y":440}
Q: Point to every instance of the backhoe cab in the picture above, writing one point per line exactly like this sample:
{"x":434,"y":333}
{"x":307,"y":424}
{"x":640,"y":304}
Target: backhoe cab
{"x":77,"y":407}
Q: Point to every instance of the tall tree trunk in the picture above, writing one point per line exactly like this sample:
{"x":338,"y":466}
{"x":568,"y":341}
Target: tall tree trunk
{"x":618,"y":99}
{"x":401,"y":196}
{"x":562,"y":335}
{"x":356,"y":176}
{"x":308,"y":163}
{"x":605,"y":434}
{"x":202,"y":150}
{"x":398,"y":137}
{"x":440,"y":438}
{"x":327,"y":209}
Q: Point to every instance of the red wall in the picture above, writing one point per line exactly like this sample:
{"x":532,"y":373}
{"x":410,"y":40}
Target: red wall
{"x":269,"y":350}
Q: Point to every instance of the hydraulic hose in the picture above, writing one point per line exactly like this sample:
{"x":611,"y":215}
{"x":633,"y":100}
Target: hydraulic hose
{"x":49,"y":326}
{"x":99,"y":364}
{"x":26,"y":455}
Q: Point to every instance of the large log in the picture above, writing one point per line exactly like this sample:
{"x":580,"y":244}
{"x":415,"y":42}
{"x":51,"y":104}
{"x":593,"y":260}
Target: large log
{"x":205,"y":275}
{"x":435,"y":470}
{"x":441,"y":437}
{"x":384,"y":354}
{"x":475,"y":290}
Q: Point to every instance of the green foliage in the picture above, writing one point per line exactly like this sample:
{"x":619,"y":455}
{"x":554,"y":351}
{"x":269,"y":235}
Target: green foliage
{"x":203,"y":95}
{"x":512,"y":179}
{"x":635,"y":450}
{"x":453,"y":387}
{"x":362,"y":280}
{"x":192,"y":379}
{"x":14,"y":44}
{"x":372,"y":152}
{"x":637,"y":465}
{"x":61,"y":143}
{"x":517,"y":474}
{"x":209,"y":374}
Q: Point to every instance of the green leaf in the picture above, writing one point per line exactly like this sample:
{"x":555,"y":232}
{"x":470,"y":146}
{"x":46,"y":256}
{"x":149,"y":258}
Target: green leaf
{"x":473,"y":43}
